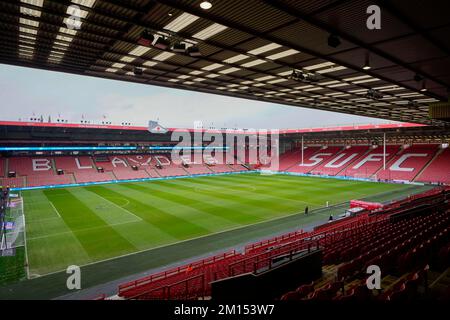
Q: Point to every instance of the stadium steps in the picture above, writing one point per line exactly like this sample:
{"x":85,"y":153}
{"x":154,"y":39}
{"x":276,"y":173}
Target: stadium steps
{"x":74,"y":178}
{"x":321,"y":163}
{"x":6,"y":167}
{"x":354,"y":160}
{"x":441,"y":282}
{"x":299,"y":158}
{"x":111,"y":173}
{"x":388,"y":163}
{"x":206,"y":166}
{"x":93,"y":163}
{"x":53,"y":165}
{"x":184,"y":169}
{"x":150,"y":172}
{"x":437,"y":154}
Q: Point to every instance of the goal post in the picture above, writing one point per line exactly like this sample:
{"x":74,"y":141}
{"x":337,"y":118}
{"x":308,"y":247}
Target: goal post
{"x":13,"y":256}
{"x":373,"y":177}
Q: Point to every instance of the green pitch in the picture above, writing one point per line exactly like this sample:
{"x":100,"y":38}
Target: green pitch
{"x":83,"y":225}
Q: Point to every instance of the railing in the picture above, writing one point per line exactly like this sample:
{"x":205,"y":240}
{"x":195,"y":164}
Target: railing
{"x":264,"y":259}
{"x":180,"y":290}
{"x":172,"y":272}
{"x":268,"y":242}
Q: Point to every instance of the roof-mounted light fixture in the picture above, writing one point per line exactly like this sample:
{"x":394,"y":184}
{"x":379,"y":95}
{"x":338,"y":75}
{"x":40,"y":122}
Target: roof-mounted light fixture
{"x":367,"y":63}
{"x":206,"y":5}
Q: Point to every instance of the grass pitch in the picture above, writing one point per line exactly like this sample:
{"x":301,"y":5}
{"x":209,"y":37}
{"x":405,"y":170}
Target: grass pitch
{"x":82,"y":225}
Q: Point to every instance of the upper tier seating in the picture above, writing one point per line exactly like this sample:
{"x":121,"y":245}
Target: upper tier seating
{"x":408,"y":163}
{"x":438,"y":170}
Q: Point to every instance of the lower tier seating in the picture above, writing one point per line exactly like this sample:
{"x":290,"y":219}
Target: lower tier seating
{"x":398,"y":238}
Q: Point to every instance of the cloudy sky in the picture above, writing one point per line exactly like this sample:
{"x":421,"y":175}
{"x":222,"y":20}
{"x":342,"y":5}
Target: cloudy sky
{"x":25,"y":92}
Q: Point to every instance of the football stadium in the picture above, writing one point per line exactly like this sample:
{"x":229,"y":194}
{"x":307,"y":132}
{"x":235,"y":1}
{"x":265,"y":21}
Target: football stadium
{"x":303,"y":209}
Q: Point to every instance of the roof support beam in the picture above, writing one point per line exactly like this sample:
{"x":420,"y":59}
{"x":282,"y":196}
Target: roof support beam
{"x":238,"y":26}
{"x":315,"y":22}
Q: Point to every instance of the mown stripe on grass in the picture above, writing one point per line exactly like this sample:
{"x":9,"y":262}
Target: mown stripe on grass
{"x":97,"y":242}
{"x":174,"y":226}
{"x":336,"y":191}
{"x":231,"y":214}
{"x":237,"y":193}
{"x":225,"y":200}
{"x":260,"y":196}
{"x":208,"y":222}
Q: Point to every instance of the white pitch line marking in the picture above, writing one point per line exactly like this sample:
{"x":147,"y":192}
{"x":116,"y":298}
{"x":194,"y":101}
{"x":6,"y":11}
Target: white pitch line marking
{"x":80,"y":230}
{"x":121,"y":208}
{"x":54,"y":208}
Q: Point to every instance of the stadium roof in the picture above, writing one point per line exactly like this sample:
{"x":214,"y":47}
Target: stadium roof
{"x":90,"y":127}
{"x":248,"y":49}
{"x":24,"y":133}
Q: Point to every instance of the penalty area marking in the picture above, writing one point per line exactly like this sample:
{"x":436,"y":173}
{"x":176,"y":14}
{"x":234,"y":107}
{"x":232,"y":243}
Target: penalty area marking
{"x":250,"y":188}
{"x":120,"y":207}
{"x":54,"y":208}
{"x":84,"y":229}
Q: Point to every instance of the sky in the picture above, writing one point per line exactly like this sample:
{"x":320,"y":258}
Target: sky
{"x":25,"y":91}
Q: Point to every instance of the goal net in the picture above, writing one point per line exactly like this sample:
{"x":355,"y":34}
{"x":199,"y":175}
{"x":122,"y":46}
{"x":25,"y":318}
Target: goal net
{"x":13,"y":231}
{"x":13,"y":264}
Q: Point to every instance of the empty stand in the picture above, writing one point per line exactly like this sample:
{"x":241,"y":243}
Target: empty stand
{"x":26,"y":166}
{"x":38,"y":171}
{"x":293,"y":157}
{"x":2,"y":167}
{"x":122,"y":170}
{"x":408,"y":163}
{"x":370,"y":163}
{"x":399,"y":232}
{"x":339,"y":162}
{"x":425,"y":163}
{"x":75,"y":164}
{"x":439,"y":170}
{"x":18,"y":182}
{"x":314,"y":159}
{"x":86,"y":177}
